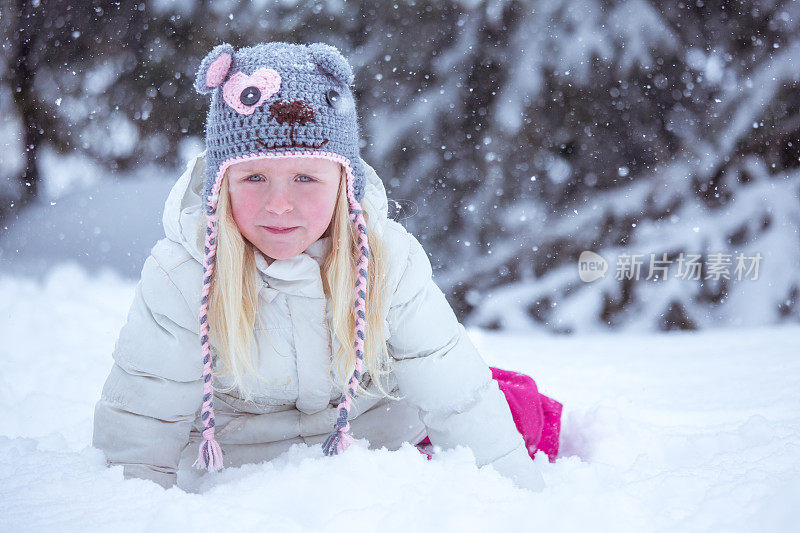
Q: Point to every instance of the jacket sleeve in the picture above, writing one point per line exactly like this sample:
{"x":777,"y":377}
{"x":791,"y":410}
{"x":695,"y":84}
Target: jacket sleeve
{"x":154,"y":390}
{"x":440,"y":371}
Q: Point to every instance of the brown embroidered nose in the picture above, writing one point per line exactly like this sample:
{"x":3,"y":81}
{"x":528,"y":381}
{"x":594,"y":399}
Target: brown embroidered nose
{"x":292,"y":111}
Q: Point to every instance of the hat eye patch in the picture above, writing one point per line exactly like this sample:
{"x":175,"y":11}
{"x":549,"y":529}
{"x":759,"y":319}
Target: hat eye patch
{"x":245,"y":93}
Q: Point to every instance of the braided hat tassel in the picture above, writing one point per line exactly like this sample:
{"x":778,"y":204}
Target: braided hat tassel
{"x":210,"y":454}
{"x":340,"y":439}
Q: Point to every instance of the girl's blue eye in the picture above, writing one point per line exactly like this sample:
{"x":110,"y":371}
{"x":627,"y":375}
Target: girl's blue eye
{"x":258,"y":177}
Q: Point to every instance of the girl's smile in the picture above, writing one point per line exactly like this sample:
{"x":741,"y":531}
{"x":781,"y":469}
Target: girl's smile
{"x":279,"y":231}
{"x":283,"y":204}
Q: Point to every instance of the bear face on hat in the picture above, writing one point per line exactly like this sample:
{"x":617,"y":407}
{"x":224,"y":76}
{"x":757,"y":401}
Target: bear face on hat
{"x":277,"y":100}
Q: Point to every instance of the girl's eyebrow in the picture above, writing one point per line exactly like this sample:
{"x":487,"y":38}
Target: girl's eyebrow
{"x":294,"y":171}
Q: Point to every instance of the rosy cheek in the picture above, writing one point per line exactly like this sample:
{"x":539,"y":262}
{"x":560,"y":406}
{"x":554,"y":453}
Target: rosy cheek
{"x":242,"y":207}
{"x":323,"y":205}
{"x":312,"y":200}
{"x":250,"y":209}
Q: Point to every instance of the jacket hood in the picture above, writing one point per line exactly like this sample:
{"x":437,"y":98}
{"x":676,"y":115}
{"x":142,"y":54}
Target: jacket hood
{"x":184,"y":218}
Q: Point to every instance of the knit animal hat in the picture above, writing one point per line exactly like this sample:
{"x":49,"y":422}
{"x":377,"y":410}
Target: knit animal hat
{"x":279,"y":100}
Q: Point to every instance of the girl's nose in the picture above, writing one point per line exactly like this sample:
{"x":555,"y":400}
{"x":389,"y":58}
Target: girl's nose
{"x":278,"y":202}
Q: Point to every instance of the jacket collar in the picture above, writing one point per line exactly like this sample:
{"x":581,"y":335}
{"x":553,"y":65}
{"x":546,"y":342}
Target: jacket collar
{"x":299,"y":275}
{"x":184,"y":222}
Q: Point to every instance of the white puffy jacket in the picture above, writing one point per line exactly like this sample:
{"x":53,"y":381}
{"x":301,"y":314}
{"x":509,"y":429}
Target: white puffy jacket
{"x":147,"y":418}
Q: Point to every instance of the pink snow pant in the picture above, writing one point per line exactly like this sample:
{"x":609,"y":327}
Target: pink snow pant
{"x":538,"y":418}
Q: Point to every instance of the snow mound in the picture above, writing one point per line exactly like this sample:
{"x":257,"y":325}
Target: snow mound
{"x":666,"y":432}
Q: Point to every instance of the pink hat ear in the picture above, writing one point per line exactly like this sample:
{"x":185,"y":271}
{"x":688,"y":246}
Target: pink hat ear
{"x":218,"y":69}
{"x":214,"y":68}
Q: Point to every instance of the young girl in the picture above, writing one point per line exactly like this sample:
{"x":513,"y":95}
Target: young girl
{"x":285,"y":307}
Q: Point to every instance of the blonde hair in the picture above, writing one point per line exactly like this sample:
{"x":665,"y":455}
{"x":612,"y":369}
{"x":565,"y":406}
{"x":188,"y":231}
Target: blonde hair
{"x":233,"y":299}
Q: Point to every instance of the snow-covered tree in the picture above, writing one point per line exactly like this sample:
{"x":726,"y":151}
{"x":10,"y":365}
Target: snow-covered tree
{"x":512,"y":135}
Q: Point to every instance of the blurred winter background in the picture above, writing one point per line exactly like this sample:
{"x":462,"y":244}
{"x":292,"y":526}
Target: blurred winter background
{"x":512,"y":136}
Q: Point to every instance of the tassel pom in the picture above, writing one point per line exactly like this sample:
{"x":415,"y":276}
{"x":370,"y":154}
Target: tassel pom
{"x":210,"y":454}
{"x":338,"y":441}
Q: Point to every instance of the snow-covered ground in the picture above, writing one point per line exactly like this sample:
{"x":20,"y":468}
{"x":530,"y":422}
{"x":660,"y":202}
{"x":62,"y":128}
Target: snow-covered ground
{"x":662,"y":432}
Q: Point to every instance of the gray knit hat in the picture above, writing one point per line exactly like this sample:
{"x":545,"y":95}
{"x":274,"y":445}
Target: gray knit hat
{"x":276,"y":100}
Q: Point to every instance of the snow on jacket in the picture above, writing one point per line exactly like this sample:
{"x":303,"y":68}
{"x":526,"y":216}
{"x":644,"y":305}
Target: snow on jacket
{"x":148,"y":416}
